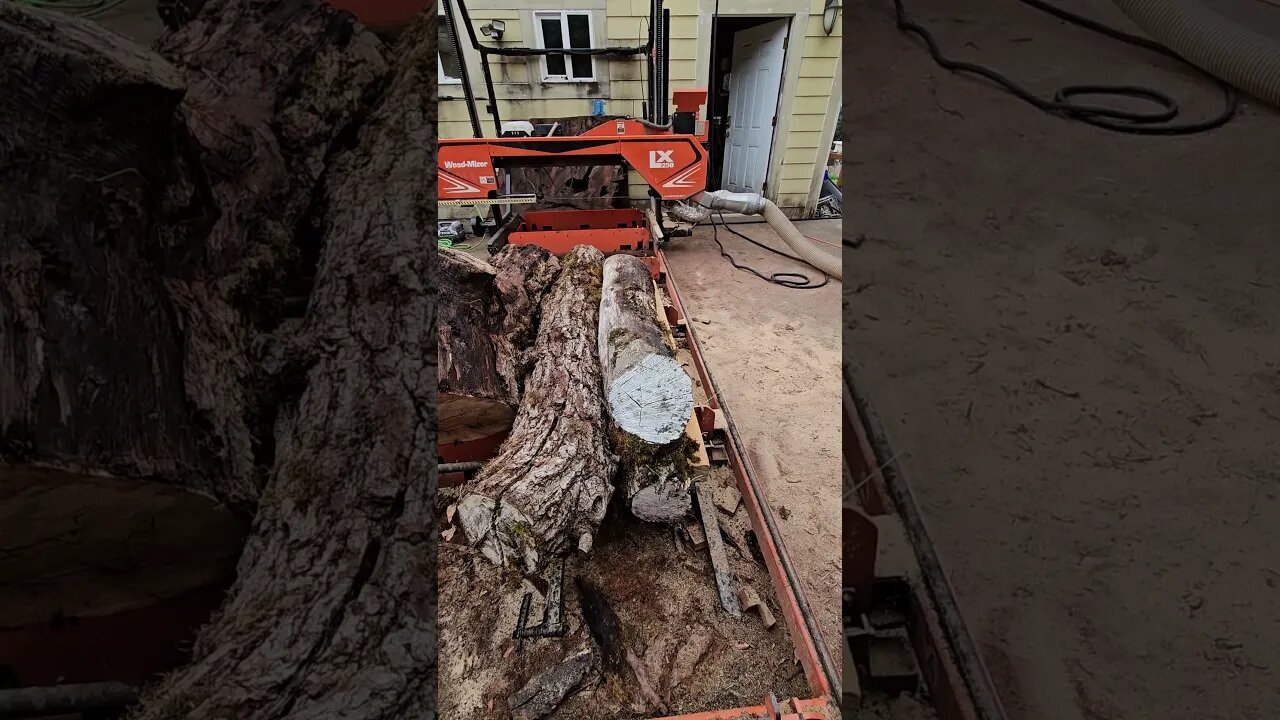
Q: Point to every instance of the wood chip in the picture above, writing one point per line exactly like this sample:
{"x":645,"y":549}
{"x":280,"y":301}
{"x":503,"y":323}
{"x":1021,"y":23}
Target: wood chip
{"x":642,"y":679}
{"x":751,"y":600}
{"x":697,"y":538}
{"x":727,"y":500}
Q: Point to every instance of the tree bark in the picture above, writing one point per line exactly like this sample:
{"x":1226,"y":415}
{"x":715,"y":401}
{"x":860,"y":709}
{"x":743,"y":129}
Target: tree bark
{"x":477,"y":395}
{"x":547,"y":490}
{"x":650,"y":397}
{"x":332,"y":613}
{"x":145,"y":243}
{"x":648,"y":394}
{"x":487,"y":321}
{"x":148,"y":242}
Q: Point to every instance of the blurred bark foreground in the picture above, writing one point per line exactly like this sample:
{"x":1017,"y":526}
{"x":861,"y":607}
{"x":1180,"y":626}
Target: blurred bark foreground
{"x":214,"y":275}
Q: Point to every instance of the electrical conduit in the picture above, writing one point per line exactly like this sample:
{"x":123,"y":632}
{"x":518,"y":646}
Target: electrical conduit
{"x":749,"y":204}
{"x":1219,"y":46}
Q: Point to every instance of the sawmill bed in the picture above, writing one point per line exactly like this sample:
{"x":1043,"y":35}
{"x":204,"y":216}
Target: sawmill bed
{"x":665,"y":598}
{"x":663,"y":593}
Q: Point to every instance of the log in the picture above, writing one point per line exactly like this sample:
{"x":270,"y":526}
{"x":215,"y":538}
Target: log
{"x":146,"y":245}
{"x":648,"y":394}
{"x":486,"y":325}
{"x":477,"y":397}
{"x":544,"y":692}
{"x":654,"y":480}
{"x":332,"y":612}
{"x":547,"y":490}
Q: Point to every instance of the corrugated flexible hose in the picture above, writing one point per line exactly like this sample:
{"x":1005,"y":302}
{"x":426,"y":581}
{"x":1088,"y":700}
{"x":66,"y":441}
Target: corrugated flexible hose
{"x":750,"y":204}
{"x":1214,"y":43}
{"x":803,"y":248}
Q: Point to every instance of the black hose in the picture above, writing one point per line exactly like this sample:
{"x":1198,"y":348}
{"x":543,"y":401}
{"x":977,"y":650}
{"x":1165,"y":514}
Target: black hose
{"x":791,"y":280}
{"x":1157,"y":121}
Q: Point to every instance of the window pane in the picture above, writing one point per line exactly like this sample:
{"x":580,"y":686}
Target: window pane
{"x":579,"y":31}
{"x":552,"y":36}
{"x":580,"y":37}
{"x":448,"y":58}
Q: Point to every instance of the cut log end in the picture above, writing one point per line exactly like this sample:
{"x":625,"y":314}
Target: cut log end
{"x":464,"y":418}
{"x":652,"y":400}
{"x":665,"y":502}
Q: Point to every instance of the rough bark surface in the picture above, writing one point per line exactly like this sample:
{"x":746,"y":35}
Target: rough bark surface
{"x":103,"y":217}
{"x":487,"y":323}
{"x":524,"y":274}
{"x":547,"y":490}
{"x":149,"y":240}
{"x":332,"y":613}
{"x":145,"y":243}
{"x":539,"y":697}
{"x":647,"y":392}
{"x":477,"y":390}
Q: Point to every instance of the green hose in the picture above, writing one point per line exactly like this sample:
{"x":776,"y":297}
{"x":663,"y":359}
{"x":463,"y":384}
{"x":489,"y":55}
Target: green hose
{"x":80,"y":8}
{"x":449,"y":243}
{"x":1219,"y":46}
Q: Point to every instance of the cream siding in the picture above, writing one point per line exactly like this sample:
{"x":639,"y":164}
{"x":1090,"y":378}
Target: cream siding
{"x":810,"y":95}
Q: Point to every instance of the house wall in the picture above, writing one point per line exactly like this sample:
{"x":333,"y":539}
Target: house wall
{"x":810,"y":95}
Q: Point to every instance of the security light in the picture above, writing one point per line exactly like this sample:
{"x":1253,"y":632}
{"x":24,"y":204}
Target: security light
{"x":496,"y":27}
{"x":829,"y":16}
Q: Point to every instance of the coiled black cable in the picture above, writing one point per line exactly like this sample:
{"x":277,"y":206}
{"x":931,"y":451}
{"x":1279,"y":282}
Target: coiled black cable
{"x":792,"y":280}
{"x":1064,"y":104}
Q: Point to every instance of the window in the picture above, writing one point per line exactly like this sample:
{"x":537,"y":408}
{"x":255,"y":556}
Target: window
{"x":446,"y":56}
{"x":561,"y":29}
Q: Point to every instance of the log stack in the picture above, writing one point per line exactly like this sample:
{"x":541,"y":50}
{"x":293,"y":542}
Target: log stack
{"x":546,"y":492}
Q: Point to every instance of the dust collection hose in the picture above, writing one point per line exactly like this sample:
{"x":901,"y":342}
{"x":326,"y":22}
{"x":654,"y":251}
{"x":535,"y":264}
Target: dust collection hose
{"x":750,"y":204}
{"x":1212,"y":42}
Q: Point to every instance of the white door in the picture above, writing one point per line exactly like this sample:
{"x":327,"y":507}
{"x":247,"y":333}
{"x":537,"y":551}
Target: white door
{"x":755,"y":82}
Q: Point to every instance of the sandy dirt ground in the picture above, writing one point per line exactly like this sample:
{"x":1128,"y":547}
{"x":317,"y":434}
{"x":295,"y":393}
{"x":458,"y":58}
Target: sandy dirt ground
{"x":775,"y":353}
{"x":1072,"y":338}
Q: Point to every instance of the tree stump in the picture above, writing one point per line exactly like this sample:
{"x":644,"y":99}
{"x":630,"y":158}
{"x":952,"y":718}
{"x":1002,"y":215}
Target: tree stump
{"x":547,"y":490}
{"x":648,"y":394}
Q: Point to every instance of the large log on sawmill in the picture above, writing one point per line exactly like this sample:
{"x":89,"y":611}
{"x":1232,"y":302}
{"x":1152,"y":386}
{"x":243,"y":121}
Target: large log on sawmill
{"x":165,"y":223}
{"x":649,"y":395}
{"x":486,"y":323}
{"x":547,"y":490}
{"x":585,"y":187}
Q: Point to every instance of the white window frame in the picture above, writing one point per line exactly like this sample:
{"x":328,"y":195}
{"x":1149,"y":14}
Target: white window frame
{"x":538,"y":17}
{"x":444,"y":78}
